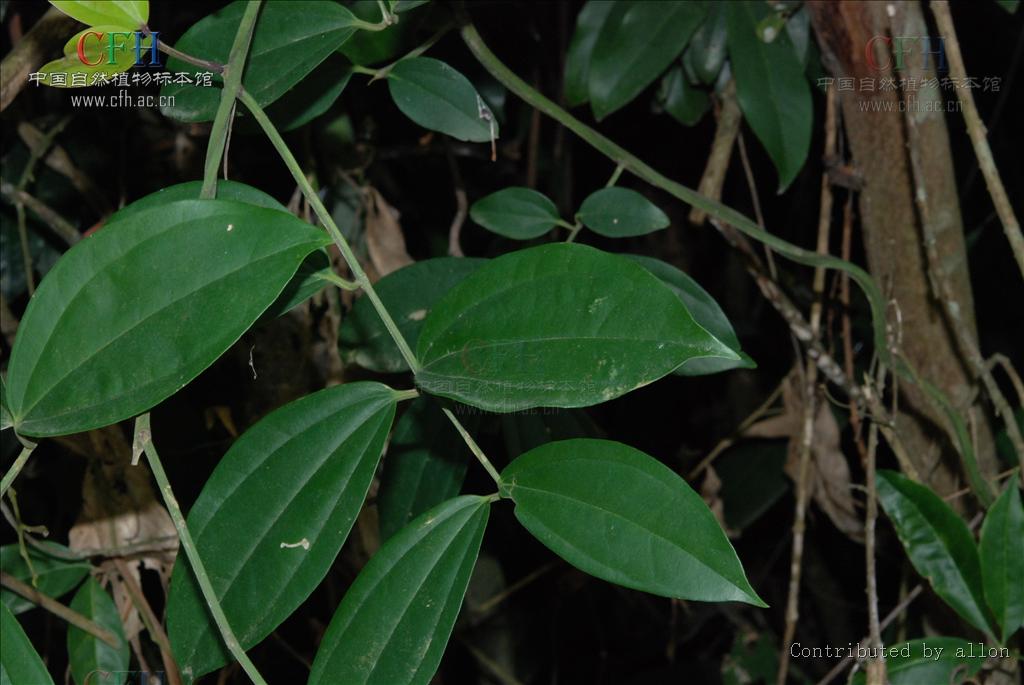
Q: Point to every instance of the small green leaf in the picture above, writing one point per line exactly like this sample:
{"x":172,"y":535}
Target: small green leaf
{"x":707,"y":49}
{"x":706,"y":312}
{"x":306,"y":282}
{"x":97,"y":53}
{"x":1002,"y":560}
{"x":1009,"y":5}
{"x":561,"y":325}
{"x":929,"y":660}
{"x":685,"y":103}
{"x":408,"y":294}
{"x":581,"y":49}
{"x":439,"y":98}
{"x":117,"y":326}
{"x":621,"y":213}
{"x":395,"y":620}
{"x":130,"y":14}
{"x":19,"y":662}
{"x":771,"y":88}
{"x":938,"y":543}
{"x":621,"y":515}
{"x":55,"y":577}
{"x":425,"y":465}
{"x":274,"y":514}
{"x":88,"y":655}
{"x":517,"y":213}
{"x":637,"y":42}
{"x":291,"y":38}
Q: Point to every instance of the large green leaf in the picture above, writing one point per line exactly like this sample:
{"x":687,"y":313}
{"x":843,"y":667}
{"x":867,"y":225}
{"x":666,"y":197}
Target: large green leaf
{"x":395,"y":620}
{"x":290,"y":39}
{"x":518,"y":213}
{"x":439,"y":98}
{"x":771,"y":88}
{"x":945,"y":660}
{"x":19,"y":662}
{"x":273,"y":515}
{"x":637,"y":42}
{"x":561,"y":325}
{"x":706,"y":312}
{"x":54,"y":577}
{"x":425,"y":465}
{"x":126,"y":14}
{"x":581,"y":49}
{"x":88,"y":655}
{"x":408,"y":294}
{"x":1002,"y":560}
{"x":938,"y":543}
{"x":621,"y":213}
{"x":621,"y":515}
{"x":129,"y":316}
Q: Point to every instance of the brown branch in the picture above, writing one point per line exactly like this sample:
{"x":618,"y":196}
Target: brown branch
{"x":153,"y":625}
{"x":729,"y":117}
{"x":61,"y":226}
{"x":59,"y":610}
{"x":461,"y":205}
{"x":52,"y":29}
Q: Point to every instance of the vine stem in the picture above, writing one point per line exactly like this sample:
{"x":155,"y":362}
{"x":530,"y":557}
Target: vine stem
{"x":226,"y":108}
{"x":361,"y":279}
{"x":144,"y":439}
{"x":16,"y":467}
{"x":733,"y":218}
{"x":59,"y":610}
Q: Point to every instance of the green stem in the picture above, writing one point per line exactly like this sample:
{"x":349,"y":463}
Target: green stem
{"x":232,"y":82}
{"x":325,"y":218}
{"x":730,"y":216}
{"x":402,"y":395}
{"x":144,"y":438}
{"x":337,"y":280}
{"x":473,"y":447}
{"x":16,"y":467}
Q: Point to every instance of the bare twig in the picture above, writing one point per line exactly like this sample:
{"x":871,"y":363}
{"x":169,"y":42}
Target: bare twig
{"x":877,"y":668}
{"x":34,"y":48}
{"x":977,"y":132}
{"x":461,"y":205}
{"x":151,"y":621}
{"x":729,"y":117}
{"x":61,"y":226}
{"x":728,"y":441}
{"x":57,"y":609}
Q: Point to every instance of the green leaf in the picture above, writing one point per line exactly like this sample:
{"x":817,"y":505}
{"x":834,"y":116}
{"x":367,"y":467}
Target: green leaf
{"x":375,"y":47}
{"x":707,"y":49}
{"x":291,"y":38}
{"x":621,"y":515}
{"x":938,"y":543}
{"x":408,"y":294}
{"x":929,"y":660}
{"x":97,"y":53}
{"x":6,"y":421}
{"x":273,"y":515}
{"x":621,"y":213}
{"x":19,"y":662}
{"x":1002,"y":560}
{"x":129,"y":316}
{"x":439,"y":98}
{"x":313,"y":96}
{"x":684,"y":103}
{"x":130,"y":14}
{"x":306,"y":282}
{"x":395,"y":620}
{"x":561,"y":325}
{"x":637,"y":42}
{"x":1009,"y":5}
{"x":88,"y":655}
{"x":706,"y":312}
{"x":581,"y":50}
{"x":517,"y":213}
{"x":771,"y":88}
{"x":55,"y":577}
{"x":425,"y":465}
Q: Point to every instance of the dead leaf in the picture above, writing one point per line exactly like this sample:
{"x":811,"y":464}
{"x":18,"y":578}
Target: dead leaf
{"x":384,"y":239}
{"x":710,"y":491}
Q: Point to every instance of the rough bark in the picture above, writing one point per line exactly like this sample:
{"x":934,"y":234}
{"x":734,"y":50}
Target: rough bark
{"x":891,"y":226}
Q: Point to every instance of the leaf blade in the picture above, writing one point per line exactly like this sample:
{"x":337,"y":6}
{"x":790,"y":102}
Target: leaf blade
{"x":621,"y":213}
{"x":517,"y":213}
{"x":19,"y":661}
{"x":87,"y":654}
{"x":1002,"y":560}
{"x":55,"y":577}
{"x":439,"y":98}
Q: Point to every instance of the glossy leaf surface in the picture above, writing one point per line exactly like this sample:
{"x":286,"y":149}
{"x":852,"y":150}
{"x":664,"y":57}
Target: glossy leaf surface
{"x":55,"y":577}
{"x":89,"y":656}
{"x":291,"y":38}
{"x":518,"y":213}
{"x":272,"y":517}
{"x":118,"y":325}
{"x":396,"y":618}
{"x":561,"y":325}
{"x":409,"y":294}
{"x":771,"y":88}
{"x":621,"y":515}
{"x":1002,"y":560}
{"x":126,"y":14}
{"x":581,"y":50}
{"x":684,"y":103}
{"x":938,"y":543}
{"x":439,"y":98}
{"x":19,"y":661}
{"x":637,"y":42}
{"x":621,"y":213}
